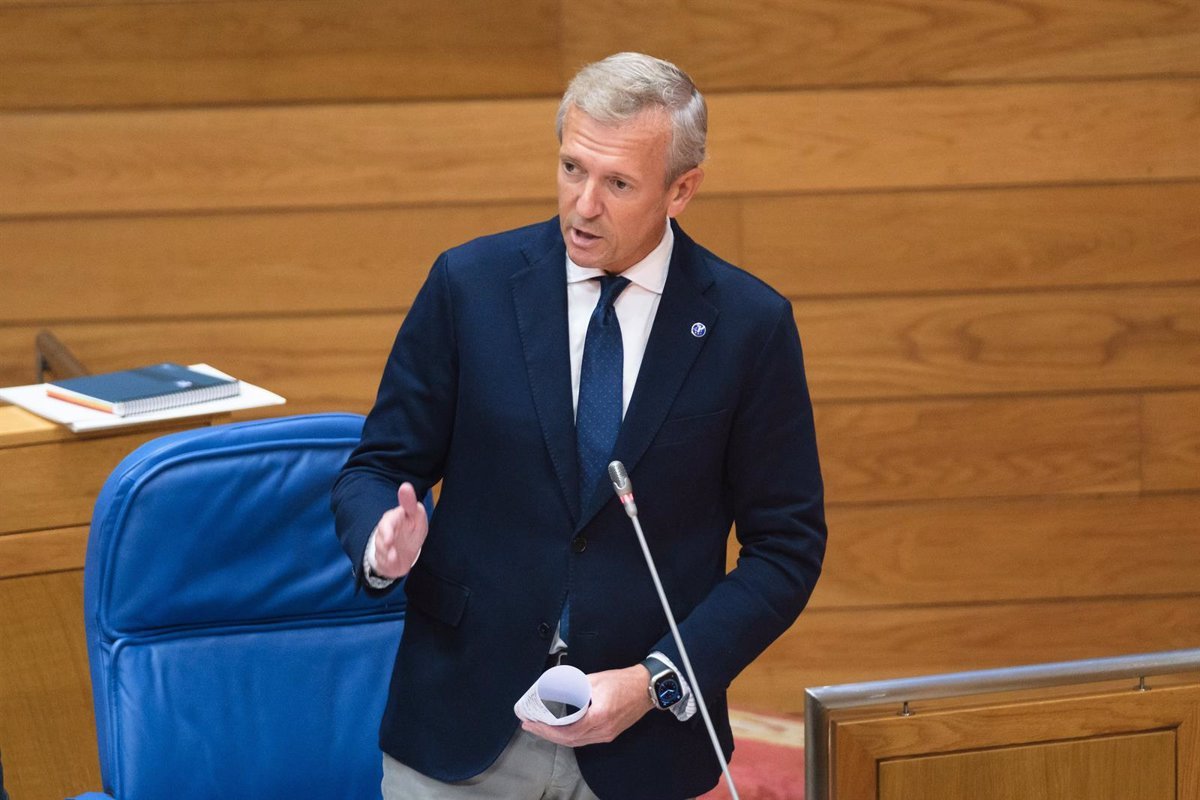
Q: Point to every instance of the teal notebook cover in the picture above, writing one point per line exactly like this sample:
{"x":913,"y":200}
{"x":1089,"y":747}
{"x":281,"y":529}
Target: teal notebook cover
{"x":143,"y":390}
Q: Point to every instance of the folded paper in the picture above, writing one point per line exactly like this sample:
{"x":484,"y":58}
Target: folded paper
{"x":561,"y":696}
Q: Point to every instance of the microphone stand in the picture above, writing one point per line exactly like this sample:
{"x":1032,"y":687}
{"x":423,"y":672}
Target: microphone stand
{"x":624,"y":489}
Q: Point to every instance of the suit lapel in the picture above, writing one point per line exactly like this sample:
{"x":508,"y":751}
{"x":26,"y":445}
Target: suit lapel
{"x":540,"y":299}
{"x":670,"y":352}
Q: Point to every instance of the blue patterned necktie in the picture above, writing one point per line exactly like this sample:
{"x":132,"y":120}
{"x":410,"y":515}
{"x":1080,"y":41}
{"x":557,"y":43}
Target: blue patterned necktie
{"x":598,"y":412}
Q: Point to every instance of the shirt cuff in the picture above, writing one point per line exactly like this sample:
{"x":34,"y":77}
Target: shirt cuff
{"x":371,"y":572}
{"x":685,"y":709}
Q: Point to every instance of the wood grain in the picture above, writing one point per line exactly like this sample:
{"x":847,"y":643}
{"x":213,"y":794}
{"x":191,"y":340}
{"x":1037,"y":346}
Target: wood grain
{"x":55,"y":485}
{"x":855,"y":349}
{"x":236,"y":264}
{"x":319,"y":363}
{"x":979,"y":448}
{"x":1172,"y":442}
{"x":258,"y":263}
{"x":974,"y":240}
{"x":290,"y":156}
{"x":829,"y":646}
{"x":1050,"y":341}
{"x":806,"y":247}
{"x":891,"y":450}
{"x":730,"y":46}
{"x":18,"y":426}
{"x":1139,"y":766}
{"x":961,"y":136}
{"x":141,"y":54}
{"x":876,"y":451}
{"x":982,"y":551}
{"x":46,"y":720}
{"x":861,"y":745}
{"x":40,"y":552}
{"x":132,"y":53}
{"x":504,"y":151}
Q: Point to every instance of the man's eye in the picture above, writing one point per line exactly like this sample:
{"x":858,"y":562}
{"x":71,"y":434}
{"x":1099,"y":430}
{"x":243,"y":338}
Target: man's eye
{"x":568,"y":167}
{"x":619,"y":184}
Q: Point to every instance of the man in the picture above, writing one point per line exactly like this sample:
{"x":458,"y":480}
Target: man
{"x":528,"y":361}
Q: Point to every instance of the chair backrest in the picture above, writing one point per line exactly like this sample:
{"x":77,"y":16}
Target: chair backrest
{"x":231,"y":655}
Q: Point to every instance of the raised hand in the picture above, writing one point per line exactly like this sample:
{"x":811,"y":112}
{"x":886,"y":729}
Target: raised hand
{"x":400,"y":533}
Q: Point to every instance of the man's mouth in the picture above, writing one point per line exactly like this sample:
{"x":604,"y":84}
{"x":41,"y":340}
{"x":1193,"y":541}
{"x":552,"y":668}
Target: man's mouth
{"x":583,"y":237}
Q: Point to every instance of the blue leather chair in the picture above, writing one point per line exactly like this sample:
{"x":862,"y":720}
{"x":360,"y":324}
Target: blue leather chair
{"x":230,"y":654}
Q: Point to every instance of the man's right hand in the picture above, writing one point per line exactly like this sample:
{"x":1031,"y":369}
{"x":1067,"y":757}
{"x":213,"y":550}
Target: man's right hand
{"x":399,"y":535}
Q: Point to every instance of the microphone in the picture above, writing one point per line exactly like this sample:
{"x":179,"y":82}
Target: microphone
{"x":623,"y":486}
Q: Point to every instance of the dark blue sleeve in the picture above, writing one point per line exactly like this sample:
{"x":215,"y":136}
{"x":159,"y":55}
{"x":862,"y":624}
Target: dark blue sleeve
{"x":407,"y":433}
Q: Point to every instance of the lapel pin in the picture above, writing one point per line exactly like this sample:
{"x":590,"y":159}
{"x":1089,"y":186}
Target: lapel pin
{"x":699,"y":329}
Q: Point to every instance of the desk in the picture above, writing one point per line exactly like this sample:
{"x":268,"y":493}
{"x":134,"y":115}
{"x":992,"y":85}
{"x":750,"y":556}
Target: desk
{"x":49,"y":479}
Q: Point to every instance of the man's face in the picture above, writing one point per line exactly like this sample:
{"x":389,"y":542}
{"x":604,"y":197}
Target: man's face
{"x":613,"y":196}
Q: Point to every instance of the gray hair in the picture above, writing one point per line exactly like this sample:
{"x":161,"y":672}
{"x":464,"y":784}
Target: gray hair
{"x":623,"y":85}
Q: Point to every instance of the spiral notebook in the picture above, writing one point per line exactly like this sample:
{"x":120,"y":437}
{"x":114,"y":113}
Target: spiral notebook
{"x":143,"y":390}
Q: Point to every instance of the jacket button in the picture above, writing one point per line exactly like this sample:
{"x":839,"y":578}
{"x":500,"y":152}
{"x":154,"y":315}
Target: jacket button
{"x":579,"y":544}
{"x":544,"y":630}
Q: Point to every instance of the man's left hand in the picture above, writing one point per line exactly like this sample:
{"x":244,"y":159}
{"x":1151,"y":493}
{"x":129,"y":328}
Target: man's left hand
{"x":619,"y":699}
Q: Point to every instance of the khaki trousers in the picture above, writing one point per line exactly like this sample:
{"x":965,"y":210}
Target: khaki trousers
{"x":530,"y":768}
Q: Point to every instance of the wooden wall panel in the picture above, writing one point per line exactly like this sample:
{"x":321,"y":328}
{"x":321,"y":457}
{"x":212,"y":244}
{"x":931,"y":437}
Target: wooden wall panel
{"x":46,"y":723}
{"x":1034,"y":548}
{"x":107,"y":54}
{"x":290,"y":156}
{"x":834,"y":646}
{"x":234,"y":264}
{"x":1002,"y":343}
{"x":480,"y":151}
{"x":139,"y":54}
{"x":726,"y":46}
{"x":320,"y":363}
{"x":979,"y":448}
{"x":1172,"y":441}
{"x":855,"y":348}
{"x":872,"y":451}
{"x":974,"y":240}
{"x":40,"y":552}
{"x":258,"y":263}
{"x":961,"y":136}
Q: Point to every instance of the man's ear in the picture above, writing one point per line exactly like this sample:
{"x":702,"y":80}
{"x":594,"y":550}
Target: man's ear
{"x":682,"y":190}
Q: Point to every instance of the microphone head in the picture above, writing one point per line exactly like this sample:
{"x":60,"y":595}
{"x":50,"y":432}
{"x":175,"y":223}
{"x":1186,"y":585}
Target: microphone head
{"x":620,"y":478}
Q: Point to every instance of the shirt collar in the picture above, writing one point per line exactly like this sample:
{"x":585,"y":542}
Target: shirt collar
{"x":650,"y":273}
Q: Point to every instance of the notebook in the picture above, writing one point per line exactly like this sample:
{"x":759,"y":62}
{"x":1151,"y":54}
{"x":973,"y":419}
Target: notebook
{"x":143,"y":390}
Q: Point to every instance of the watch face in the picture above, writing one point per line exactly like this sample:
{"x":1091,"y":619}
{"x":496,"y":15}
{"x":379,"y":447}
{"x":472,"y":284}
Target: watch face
{"x":667,"y":691}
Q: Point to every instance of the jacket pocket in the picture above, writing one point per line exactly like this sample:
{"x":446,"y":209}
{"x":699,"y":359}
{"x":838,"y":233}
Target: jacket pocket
{"x":687,"y":429}
{"x":439,"y":597}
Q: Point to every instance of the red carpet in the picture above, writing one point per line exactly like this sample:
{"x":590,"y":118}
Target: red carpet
{"x":768,"y":763}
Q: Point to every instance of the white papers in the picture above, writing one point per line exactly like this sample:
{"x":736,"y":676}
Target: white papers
{"x":559,"y":686}
{"x":79,"y":418}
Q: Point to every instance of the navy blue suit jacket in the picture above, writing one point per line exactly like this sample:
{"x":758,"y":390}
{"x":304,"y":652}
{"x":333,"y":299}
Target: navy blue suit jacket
{"x":719,"y":430}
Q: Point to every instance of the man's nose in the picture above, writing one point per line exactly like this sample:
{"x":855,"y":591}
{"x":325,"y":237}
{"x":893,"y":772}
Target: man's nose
{"x":588,"y":203}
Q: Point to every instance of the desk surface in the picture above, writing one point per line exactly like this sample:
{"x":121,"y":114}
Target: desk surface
{"x":21,"y":427}
{"x":18,"y":426}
